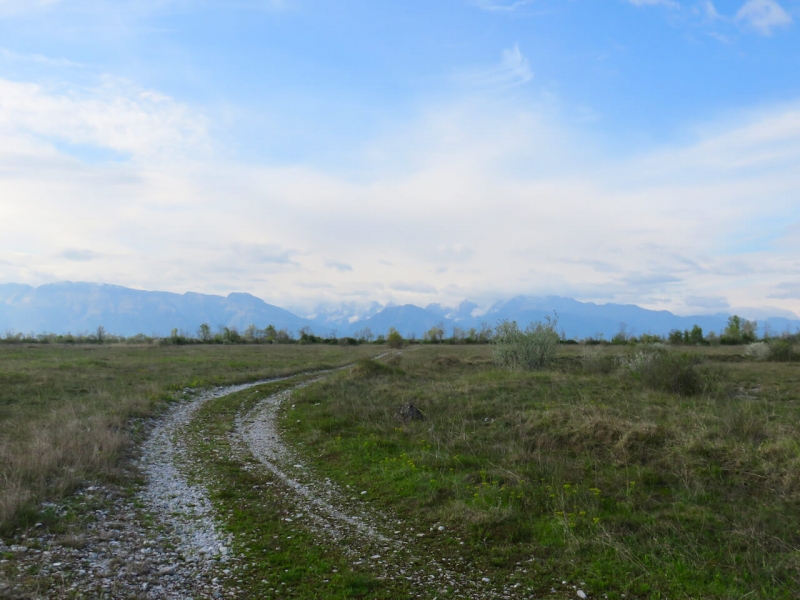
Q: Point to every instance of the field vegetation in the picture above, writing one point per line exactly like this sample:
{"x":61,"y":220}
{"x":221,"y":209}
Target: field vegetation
{"x":639,"y":470}
{"x":649,"y":468}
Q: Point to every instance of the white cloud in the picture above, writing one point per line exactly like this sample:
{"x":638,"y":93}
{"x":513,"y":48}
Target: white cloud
{"x":514,"y":69}
{"x":763,"y":15}
{"x":498,"y":195}
{"x":114,"y":115}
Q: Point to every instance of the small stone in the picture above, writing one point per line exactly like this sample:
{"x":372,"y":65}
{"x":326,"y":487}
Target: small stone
{"x":485,"y":579}
{"x":409,"y":412}
{"x":582,"y":594}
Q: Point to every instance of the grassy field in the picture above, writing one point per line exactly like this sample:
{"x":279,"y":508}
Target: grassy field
{"x":583,"y":469}
{"x":66,"y":411}
{"x":678,"y":482}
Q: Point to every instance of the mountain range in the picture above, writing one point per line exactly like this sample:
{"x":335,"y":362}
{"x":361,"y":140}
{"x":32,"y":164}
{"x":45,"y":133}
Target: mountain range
{"x":81,"y":307}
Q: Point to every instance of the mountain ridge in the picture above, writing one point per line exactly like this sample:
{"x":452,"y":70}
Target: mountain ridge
{"x":77,"y":307}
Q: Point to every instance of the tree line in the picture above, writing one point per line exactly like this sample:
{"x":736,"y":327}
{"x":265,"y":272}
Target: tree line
{"x":737,"y":331}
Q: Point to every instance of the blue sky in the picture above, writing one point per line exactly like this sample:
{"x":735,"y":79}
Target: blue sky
{"x":643,"y":151}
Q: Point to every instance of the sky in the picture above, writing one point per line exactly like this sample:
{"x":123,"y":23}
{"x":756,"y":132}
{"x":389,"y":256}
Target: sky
{"x":317,"y":153}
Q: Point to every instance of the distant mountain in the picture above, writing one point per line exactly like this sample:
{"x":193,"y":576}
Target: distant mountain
{"x":339,"y":317}
{"x":82,"y":307}
{"x":577,"y":320}
{"x":409,"y":320}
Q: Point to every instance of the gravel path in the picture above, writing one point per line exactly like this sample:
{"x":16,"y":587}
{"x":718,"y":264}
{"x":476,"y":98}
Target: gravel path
{"x":162,"y":543}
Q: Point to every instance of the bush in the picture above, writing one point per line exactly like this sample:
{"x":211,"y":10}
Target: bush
{"x":527,"y":350}
{"x":666,"y":371}
{"x":781,"y":350}
{"x":758,"y":351}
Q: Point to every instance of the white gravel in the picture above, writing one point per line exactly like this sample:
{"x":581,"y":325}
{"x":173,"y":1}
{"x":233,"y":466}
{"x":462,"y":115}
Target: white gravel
{"x":182,"y":505}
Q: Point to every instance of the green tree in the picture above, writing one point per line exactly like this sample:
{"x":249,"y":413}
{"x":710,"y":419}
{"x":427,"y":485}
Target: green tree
{"x":435,"y":334}
{"x":394,"y":339}
{"x":733,"y":331}
{"x":675,"y":336}
{"x":696,"y":335}
{"x":204,"y":332}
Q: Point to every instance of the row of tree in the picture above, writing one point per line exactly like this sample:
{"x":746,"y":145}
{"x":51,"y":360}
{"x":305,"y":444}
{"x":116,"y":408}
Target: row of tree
{"x":737,"y":331}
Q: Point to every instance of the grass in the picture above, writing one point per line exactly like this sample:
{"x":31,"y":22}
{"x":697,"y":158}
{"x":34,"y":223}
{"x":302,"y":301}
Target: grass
{"x":68,"y":413}
{"x":634,"y":485}
{"x":678,"y":478}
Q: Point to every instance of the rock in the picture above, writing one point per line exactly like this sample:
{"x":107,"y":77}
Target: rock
{"x":409,"y":412}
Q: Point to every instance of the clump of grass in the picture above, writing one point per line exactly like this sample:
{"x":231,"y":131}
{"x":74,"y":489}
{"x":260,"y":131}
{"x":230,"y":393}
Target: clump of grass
{"x":367,"y":368}
{"x":448,"y":360}
{"x":595,"y":360}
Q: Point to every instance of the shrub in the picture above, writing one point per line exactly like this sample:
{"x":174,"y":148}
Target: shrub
{"x":781,"y":350}
{"x":777,"y":350}
{"x":666,"y":371}
{"x":527,"y":350}
{"x":758,"y":351}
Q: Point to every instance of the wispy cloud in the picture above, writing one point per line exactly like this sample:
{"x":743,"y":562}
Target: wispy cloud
{"x":11,"y":56}
{"x":710,"y":11}
{"x":763,"y":15}
{"x":667,"y":3}
{"x":787,"y":290}
{"x":339,"y":266}
{"x":79,"y":255}
{"x":513,"y":69}
{"x":417,"y":287}
{"x":707,"y":302}
{"x":492,"y":5}
{"x":115,"y":115}
{"x":263,"y":254}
